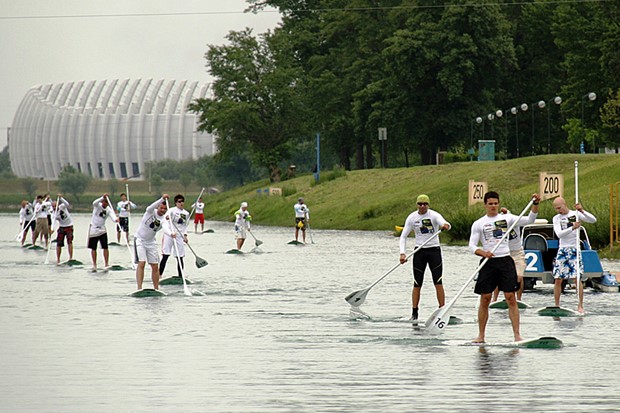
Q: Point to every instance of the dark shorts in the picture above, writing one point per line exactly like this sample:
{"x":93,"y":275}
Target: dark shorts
{"x":303,"y":221}
{"x":199,"y":218}
{"x":102,"y":239}
{"x":123,"y":222}
{"x":29,"y":225}
{"x":430,"y":257}
{"x":62,"y":233}
{"x":497,"y":272}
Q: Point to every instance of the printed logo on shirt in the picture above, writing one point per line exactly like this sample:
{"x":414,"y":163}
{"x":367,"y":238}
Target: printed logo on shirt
{"x":426,"y":226}
{"x":155,"y":224}
{"x":500,"y":228}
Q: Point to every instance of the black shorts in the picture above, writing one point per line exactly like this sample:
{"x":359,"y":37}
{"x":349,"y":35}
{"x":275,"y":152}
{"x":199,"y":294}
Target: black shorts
{"x":497,"y":272}
{"x":62,"y":233}
{"x":102,"y":239}
{"x":303,"y":221}
{"x":430,"y":257}
{"x":29,"y":225}
{"x":123,"y":222}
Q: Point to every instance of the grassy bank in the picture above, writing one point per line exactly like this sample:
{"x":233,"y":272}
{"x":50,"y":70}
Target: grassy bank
{"x":378,"y":199}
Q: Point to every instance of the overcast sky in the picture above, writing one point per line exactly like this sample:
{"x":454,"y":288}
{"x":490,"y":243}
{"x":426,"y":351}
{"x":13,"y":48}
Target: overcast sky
{"x":112,"y":39}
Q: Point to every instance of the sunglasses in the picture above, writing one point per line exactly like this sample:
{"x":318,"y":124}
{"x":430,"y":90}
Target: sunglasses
{"x":422,"y":203}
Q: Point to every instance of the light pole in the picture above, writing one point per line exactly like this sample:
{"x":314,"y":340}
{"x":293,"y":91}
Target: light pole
{"x":490,"y":117}
{"x":524,"y":108}
{"x":471,"y":136}
{"x":557,"y":100}
{"x":591,"y":96}
{"x":541,"y":104}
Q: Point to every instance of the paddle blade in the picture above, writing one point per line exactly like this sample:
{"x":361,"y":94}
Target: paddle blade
{"x":200,"y":262}
{"x":356,"y":298}
{"x":186,"y":290}
{"x":438,"y":321}
{"x":258,"y":242}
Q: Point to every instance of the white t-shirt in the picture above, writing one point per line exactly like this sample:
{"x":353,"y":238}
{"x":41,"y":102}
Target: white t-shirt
{"x":180,"y":218}
{"x":488,"y":231}
{"x":100,"y":214}
{"x":200,"y":206}
{"x":563,"y":226}
{"x":514,"y":238}
{"x":26,"y":214}
{"x":242,"y":218}
{"x":302,"y":210}
{"x":62,"y":213}
{"x":124,"y":208}
{"x":151,"y":222}
{"x":424,"y":227}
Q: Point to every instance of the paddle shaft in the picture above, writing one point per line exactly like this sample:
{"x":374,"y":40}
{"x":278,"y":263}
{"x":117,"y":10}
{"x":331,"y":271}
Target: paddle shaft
{"x":194,"y":207}
{"x":577,"y":232}
{"x":20,"y":234}
{"x":437,"y":321}
{"x":309,"y":231}
{"x":120,"y":229}
{"x":176,"y":250}
{"x":49,"y":240}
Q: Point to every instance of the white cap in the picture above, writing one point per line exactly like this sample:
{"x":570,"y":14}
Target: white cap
{"x":244,"y":205}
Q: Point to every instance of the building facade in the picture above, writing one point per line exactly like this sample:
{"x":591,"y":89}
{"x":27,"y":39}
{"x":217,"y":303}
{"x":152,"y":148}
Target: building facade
{"x":106,"y":129}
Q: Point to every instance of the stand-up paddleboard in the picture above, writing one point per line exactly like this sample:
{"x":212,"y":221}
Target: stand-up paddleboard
{"x":98,"y":270}
{"x":148,"y":292}
{"x":71,"y":263}
{"x":35,"y":248}
{"x":234,"y":251}
{"x":453,"y":321}
{"x":116,"y":268}
{"x":28,"y":245}
{"x":176,"y":280}
{"x":114,"y":244}
{"x":295,"y":243}
{"x":540,"y":342}
{"x":208,"y":231}
{"x":503,"y":305}
{"x":558,"y":312}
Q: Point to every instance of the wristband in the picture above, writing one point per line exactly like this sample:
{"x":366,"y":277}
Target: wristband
{"x":535,"y":203}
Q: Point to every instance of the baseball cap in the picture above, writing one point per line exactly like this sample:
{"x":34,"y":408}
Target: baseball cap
{"x":244,"y":205}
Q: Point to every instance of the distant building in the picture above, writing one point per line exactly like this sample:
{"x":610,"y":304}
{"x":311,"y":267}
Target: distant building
{"x":106,"y":129}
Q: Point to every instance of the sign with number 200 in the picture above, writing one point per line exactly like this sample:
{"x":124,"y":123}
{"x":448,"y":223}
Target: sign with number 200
{"x":550,"y":185}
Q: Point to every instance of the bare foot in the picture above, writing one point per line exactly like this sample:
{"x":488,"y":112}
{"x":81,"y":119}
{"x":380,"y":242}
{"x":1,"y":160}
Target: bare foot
{"x":518,"y":337}
{"x":478,"y":339}
{"x":581,"y":310}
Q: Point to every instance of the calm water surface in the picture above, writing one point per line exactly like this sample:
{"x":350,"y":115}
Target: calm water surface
{"x":273,"y":334}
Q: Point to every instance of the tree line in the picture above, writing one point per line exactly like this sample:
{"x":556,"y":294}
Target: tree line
{"x":438,"y":77}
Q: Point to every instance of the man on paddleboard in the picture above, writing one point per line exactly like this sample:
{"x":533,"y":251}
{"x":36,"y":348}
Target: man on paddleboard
{"x":424,"y":223}
{"x":65,"y":227}
{"x":565,"y":224}
{"x":302,"y":213}
{"x":175,"y":231}
{"x":499,"y":270}
{"x":97,"y":232}
{"x":145,"y":247}
{"x":242,"y":224}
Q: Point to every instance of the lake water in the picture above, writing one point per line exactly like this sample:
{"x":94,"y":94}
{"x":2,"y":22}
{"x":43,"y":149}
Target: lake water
{"x":273,"y":334}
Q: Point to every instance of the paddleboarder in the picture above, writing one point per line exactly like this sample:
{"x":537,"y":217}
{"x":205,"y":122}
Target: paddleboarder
{"x":26,"y":219}
{"x":144,"y":241}
{"x":302,"y":213}
{"x":565,"y":224}
{"x":124,"y":207}
{"x":65,"y":228}
{"x":42,"y":226}
{"x":242,"y":224}
{"x":499,"y":270}
{"x":516,"y":248}
{"x":97,"y":232}
{"x":199,"y":218}
{"x":175,"y":230}
{"x":424,"y":223}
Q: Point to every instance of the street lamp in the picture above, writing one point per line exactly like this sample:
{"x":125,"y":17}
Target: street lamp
{"x":557,"y":100}
{"x":524,"y":108}
{"x":591,"y":96}
{"x":471,"y":136}
{"x":490,"y":117}
{"x":541,"y":104}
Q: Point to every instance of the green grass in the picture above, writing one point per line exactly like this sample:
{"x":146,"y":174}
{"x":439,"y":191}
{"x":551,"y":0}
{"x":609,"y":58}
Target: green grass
{"x":379,"y":199}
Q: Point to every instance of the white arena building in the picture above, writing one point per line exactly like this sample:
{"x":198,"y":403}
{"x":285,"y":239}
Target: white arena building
{"x":106,"y":129}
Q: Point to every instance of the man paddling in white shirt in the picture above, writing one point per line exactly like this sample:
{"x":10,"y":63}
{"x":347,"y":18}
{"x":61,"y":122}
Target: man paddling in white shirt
{"x":144,"y":241}
{"x":499,"y":270}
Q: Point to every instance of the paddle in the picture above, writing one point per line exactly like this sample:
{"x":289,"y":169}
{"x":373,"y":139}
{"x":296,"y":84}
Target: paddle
{"x":119,"y":229}
{"x":200,"y":262}
{"x":20,"y":234}
{"x":258,"y":242}
{"x":186,"y":290}
{"x":49,"y":243}
{"x":357,"y":298}
{"x":578,"y":241}
{"x":440,"y":317}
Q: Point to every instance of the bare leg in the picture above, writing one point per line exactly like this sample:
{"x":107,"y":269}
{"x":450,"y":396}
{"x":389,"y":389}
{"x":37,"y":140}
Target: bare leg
{"x":93,"y":255}
{"x":441,"y":296}
{"x":415,"y":296}
{"x":296,"y":233}
{"x":303,"y":233}
{"x":483,"y":317}
{"x":521,"y":284}
{"x":580,"y":306}
{"x":58,"y":251}
{"x":557,"y":291}
{"x":140,"y":274}
{"x":495,"y":294}
{"x":106,"y":257}
{"x":154,"y":275}
{"x":70,"y":249}
{"x":240,"y":242}
{"x":118,"y":236}
{"x":513,"y":313}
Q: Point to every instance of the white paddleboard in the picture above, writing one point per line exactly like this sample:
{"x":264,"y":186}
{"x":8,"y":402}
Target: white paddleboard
{"x":540,"y":342}
{"x":503,"y":305}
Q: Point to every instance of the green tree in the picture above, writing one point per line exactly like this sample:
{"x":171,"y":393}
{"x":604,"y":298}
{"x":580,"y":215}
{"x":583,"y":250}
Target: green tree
{"x":610,"y":116}
{"x":186,"y":180}
{"x":71,"y":181}
{"x":30,"y":186}
{"x":157,"y":181}
{"x":256,"y":103}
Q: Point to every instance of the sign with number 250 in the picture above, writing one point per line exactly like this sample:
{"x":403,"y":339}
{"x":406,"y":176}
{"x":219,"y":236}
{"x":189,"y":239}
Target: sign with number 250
{"x":477,"y":191}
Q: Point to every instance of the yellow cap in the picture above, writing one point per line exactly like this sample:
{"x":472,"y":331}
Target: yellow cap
{"x":423,"y":198}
